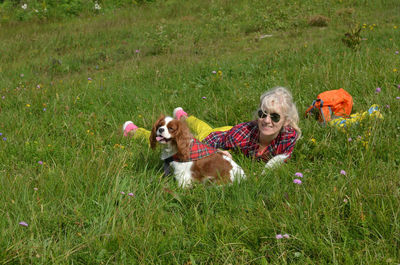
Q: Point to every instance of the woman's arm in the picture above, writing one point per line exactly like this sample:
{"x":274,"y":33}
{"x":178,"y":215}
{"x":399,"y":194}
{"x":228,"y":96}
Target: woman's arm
{"x":229,"y":139}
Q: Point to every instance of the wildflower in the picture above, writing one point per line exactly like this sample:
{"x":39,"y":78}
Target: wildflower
{"x":345,"y":200}
{"x":1,"y":134}
{"x":313,"y":140}
{"x":395,"y":27}
{"x":343,"y":172}
{"x":278,"y":236}
{"x":3,"y":97}
{"x":22,"y":75}
{"x":38,"y":86}
{"x":395,"y":70}
{"x":40,"y":162}
{"x":286,"y":236}
{"x":219,"y":72}
{"x":130,"y":194}
{"x":137,"y":51}
{"x":298,"y":174}
{"x":24,"y":6}
{"x":349,"y":139}
{"x":35,"y":189}
{"x":28,"y":105}
{"x":387,"y":106}
{"x":23,"y":224}
{"x":44,"y":109}
{"x":297,"y":181}
{"x":97,"y":6}
{"x":203,"y":97}
{"x":123,"y":193}
{"x":89,"y":79}
{"x":397,"y":97}
{"x":378,"y":90}
{"x":4,"y":138}
{"x":396,"y":52}
{"x":214,"y":72}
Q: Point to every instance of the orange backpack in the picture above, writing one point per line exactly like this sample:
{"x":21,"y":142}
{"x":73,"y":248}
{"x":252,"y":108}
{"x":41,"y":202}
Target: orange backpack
{"x":331,"y":104}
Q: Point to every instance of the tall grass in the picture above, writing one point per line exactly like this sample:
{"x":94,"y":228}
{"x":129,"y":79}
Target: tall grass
{"x":67,"y":87}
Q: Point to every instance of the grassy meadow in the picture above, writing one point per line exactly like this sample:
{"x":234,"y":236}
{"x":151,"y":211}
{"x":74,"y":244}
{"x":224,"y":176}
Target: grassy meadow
{"x":87,"y":195}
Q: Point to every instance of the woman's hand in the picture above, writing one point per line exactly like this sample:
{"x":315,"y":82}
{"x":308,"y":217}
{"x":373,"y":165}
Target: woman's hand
{"x":224,"y":152}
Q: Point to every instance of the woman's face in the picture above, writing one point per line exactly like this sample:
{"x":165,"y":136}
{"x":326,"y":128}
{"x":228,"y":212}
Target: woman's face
{"x":270,"y":122}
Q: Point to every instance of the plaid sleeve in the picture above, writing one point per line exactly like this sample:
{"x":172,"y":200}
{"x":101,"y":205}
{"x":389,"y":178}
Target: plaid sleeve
{"x":230,"y":139}
{"x":216,"y":139}
{"x":286,"y":143}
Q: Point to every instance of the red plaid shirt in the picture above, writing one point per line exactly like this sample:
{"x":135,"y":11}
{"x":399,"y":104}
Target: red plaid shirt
{"x":245,"y":136}
{"x":198,"y":150}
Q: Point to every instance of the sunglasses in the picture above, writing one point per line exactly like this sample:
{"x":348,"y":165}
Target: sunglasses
{"x":275,"y":117}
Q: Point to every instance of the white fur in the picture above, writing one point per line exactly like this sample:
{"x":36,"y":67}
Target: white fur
{"x":236,"y":172}
{"x":183,"y":173}
{"x":165,"y":133}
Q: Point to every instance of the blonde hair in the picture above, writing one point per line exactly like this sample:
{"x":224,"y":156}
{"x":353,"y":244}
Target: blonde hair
{"x":280,"y":99}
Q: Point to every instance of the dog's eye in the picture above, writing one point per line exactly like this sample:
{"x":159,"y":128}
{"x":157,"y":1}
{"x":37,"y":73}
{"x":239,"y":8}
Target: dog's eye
{"x":171,"y":129}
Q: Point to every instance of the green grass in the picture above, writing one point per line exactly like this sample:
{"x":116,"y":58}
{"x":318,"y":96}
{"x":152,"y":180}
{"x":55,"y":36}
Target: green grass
{"x":73,"y":202}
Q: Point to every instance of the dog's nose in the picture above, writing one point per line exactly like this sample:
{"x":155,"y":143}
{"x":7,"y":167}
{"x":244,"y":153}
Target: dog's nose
{"x":160,"y":130}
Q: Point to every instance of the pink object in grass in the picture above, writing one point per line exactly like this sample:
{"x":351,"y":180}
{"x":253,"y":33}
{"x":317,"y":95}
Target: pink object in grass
{"x":299,"y":174}
{"x":378,"y":90}
{"x":297,"y":181}
{"x":129,"y":126}
{"x":23,"y":224}
{"x":278,"y":236}
{"x":343,"y":172}
{"x":179,"y":113}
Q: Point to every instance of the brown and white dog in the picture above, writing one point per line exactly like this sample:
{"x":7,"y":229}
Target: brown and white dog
{"x":191,"y":159}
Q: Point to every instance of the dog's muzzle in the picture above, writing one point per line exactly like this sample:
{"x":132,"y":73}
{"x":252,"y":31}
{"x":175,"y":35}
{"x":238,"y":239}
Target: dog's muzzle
{"x":162,"y":139}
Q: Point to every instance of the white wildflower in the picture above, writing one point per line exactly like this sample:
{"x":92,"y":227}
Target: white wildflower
{"x":24,"y":6}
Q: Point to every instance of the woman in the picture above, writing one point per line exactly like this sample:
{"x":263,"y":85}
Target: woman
{"x":271,"y":137}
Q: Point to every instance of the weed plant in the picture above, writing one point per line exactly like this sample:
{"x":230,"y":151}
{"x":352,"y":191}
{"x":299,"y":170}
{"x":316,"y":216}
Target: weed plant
{"x":74,"y":191}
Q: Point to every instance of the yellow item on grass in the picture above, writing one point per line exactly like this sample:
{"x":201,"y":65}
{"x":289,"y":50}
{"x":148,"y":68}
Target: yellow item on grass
{"x":201,"y":129}
{"x":343,"y":123}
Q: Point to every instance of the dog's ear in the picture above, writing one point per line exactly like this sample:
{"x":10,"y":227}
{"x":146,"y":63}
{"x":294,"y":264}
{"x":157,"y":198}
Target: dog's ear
{"x":182,"y":137}
{"x":153,"y":133}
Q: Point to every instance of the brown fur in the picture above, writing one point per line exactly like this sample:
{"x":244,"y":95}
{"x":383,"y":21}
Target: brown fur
{"x":182,"y":136}
{"x":213,"y":167}
{"x":158,"y":123}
